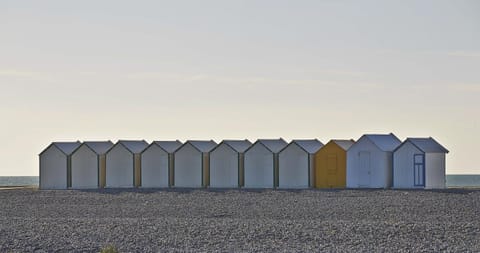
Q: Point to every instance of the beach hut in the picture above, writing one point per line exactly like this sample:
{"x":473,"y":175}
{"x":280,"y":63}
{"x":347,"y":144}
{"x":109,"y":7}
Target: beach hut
{"x":55,"y":161}
{"x":123,"y":164}
{"x":370,"y":161}
{"x":88,"y":164}
{"x":419,"y":163}
{"x":295,"y":164}
{"x":157,"y":163}
{"x":331,"y":164}
{"x":226,"y":163}
{"x":261,"y":163}
{"x":191,"y":164}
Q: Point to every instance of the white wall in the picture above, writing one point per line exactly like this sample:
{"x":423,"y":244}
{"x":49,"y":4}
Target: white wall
{"x":223,"y":167}
{"x":53,"y":169}
{"x":403,"y":168}
{"x":258,"y":167}
{"x":293,"y":168}
{"x":84,"y":168}
{"x":435,"y":170}
{"x":154,"y":167}
{"x":379,"y":173}
{"x":119,"y":171}
{"x":188,"y":167}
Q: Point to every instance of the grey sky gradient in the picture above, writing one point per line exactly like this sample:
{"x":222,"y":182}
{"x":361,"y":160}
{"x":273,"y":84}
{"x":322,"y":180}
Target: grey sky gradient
{"x":155,"y":70}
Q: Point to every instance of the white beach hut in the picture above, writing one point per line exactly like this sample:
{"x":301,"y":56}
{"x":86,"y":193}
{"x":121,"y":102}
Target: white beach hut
{"x":419,"y":163}
{"x":261,"y":163}
{"x":55,"y":161}
{"x":370,"y":161}
{"x":88,"y":164}
{"x":296,"y":164}
{"x":157,"y":164}
{"x":191,"y":164}
{"x":226,"y":163}
{"x":123,"y":164}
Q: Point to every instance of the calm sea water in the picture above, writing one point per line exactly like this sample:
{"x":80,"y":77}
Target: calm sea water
{"x":16,"y":181}
{"x":463,"y":180}
{"x":452,"y":181}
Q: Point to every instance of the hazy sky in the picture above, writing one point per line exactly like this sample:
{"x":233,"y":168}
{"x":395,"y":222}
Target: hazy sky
{"x":155,"y":70}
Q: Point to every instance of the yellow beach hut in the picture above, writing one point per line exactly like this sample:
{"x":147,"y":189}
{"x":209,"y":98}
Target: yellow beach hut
{"x":331,"y":164}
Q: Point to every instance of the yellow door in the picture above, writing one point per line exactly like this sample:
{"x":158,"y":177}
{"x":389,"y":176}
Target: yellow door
{"x":332,"y":170}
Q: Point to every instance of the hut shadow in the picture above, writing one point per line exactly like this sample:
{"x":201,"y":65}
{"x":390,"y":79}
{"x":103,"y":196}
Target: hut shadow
{"x":296,"y":191}
{"x":117,"y":191}
{"x":179,"y":190}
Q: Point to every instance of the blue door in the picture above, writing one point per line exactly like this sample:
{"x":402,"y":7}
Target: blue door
{"x":419,"y":170}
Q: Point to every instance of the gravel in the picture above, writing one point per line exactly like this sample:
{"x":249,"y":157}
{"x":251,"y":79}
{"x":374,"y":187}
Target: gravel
{"x":240,"y":221}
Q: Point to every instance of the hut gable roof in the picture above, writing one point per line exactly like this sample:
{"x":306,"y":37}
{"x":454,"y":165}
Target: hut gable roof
{"x":310,"y":146}
{"x":168,"y":146}
{"x":274,"y":145}
{"x":65,"y":147}
{"x":385,"y":142}
{"x":203,"y":146}
{"x":344,"y":144}
{"x":134,"y":147}
{"x":428,"y":145}
{"x":238,"y":145}
{"x":99,"y":147}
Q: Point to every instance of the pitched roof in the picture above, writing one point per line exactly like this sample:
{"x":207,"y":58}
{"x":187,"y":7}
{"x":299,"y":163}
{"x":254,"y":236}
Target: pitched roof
{"x":428,"y":145}
{"x":67,"y":147}
{"x":203,"y":146}
{"x":168,"y":146}
{"x":238,"y":145}
{"x":274,"y":145}
{"x":344,"y":144}
{"x":134,"y":146}
{"x":99,"y":147}
{"x":310,"y":146}
{"x":385,"y":142}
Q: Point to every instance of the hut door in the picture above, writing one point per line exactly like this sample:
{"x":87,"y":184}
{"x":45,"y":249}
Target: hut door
{"x":419,"y":170}
{"x":332,"y":170}
{"x":364,"y":177}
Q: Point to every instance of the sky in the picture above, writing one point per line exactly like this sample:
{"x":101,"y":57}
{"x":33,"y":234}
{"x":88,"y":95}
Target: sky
{"x":163,"y":70}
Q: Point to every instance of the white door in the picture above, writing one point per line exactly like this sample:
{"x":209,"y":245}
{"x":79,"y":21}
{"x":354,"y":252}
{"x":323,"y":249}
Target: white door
{"x":364,"y":171}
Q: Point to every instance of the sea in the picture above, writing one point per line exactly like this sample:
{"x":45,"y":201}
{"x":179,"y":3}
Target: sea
{"x":452,"y":181}
{"x":18,"y":181}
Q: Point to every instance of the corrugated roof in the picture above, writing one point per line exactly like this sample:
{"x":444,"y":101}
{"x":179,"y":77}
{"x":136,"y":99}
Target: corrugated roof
{"x":274,"y":145}
{"x":238,"y":145}
{"x":428,"y":145}
{"x":311,"y":146}
{"x":67,"y":147}
{"x":134,"y":146}
{"x":385,"y":142}
{"x":99,"y":147}
{"x":169,"y":146}
{"x":344,"y":144}
{"x":203,"y":146}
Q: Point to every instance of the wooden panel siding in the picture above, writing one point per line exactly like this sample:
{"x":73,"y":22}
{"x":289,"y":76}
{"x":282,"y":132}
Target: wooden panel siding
{"x":102,"y":171}
{"x":138,"y":171}
{"x":325,"y":177}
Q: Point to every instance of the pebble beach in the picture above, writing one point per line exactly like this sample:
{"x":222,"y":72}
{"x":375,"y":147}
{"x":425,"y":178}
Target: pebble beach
{"x":185,"y":220}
